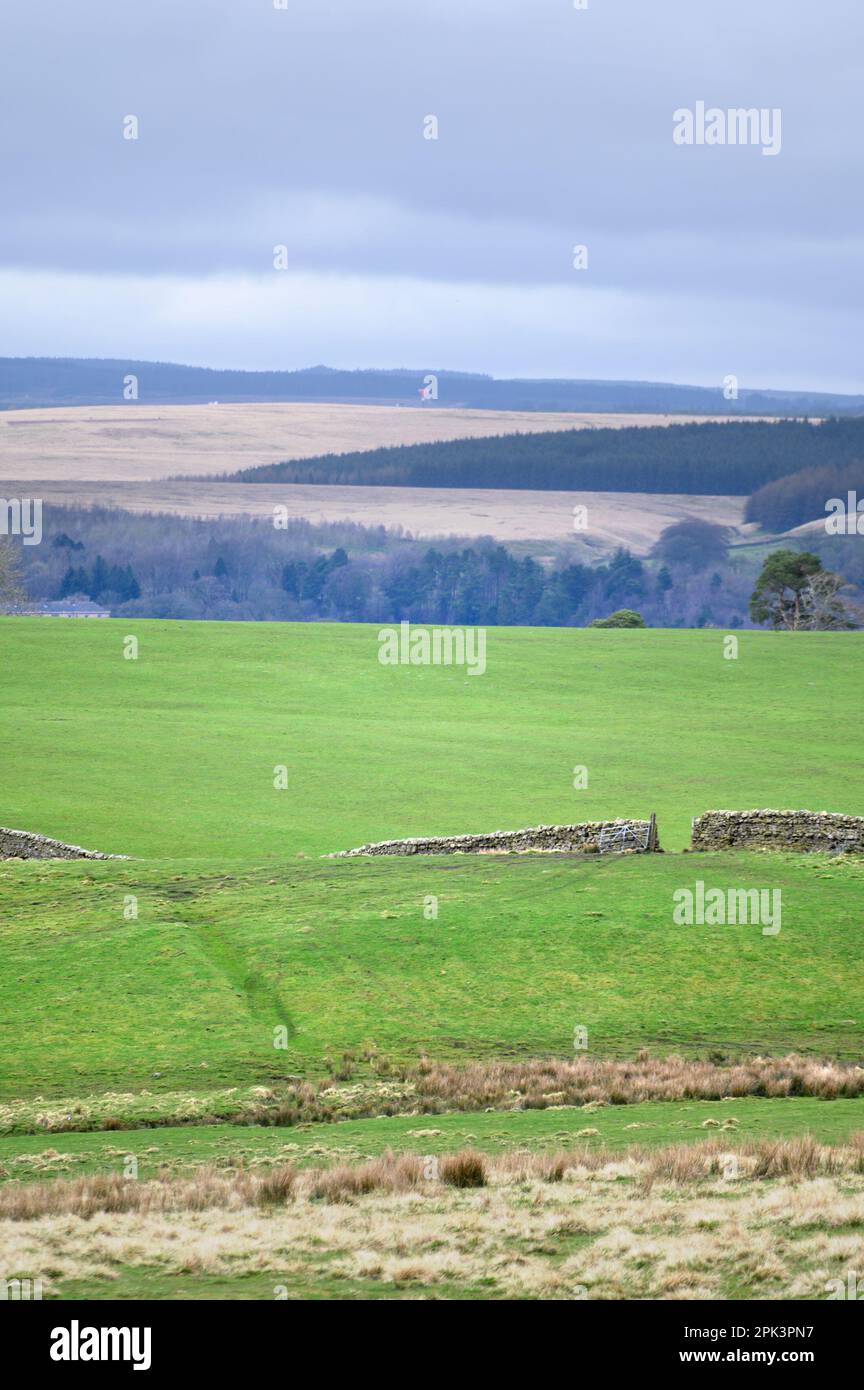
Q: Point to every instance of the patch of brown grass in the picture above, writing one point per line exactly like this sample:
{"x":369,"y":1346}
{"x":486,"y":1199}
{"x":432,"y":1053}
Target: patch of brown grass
{"x":103,"y":1193}
{"x":275,"y":1188}
{"x":796,"y":1158}
{"x":680,"y":1165}
{"x":388,"y":1173}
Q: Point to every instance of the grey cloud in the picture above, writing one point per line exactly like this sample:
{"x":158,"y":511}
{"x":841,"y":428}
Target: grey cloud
{"x":304,"y":126}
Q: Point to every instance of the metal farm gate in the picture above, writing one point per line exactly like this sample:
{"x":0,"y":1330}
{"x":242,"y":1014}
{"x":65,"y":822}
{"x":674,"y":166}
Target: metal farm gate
{"x":616,"y":839}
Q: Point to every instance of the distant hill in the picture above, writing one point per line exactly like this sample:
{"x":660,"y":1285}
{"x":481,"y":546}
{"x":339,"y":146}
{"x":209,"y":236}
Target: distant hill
{"x":47,"y":381}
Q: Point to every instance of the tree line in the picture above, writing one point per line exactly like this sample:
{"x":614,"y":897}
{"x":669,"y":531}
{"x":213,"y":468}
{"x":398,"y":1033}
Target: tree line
{"x":727,"y":458}
{"x":245,"y":569}
{"x":804,"y":496}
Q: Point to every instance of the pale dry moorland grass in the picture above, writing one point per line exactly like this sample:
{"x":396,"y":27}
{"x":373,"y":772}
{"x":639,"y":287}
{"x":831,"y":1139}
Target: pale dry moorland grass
{"x":631,"y":519}
{"x":674,"y":1225}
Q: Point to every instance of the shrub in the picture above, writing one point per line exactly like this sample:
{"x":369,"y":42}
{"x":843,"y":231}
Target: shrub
{"x":622,"y":617}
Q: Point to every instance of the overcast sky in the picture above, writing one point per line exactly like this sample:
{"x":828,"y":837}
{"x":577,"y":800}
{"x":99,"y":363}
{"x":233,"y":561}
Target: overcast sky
{"x":304,"y":127}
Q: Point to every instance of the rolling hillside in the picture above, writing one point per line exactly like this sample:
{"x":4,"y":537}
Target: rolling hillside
{"x":243,"y":927}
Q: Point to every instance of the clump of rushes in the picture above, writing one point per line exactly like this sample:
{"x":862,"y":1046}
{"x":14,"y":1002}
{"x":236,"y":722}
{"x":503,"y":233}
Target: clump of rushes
{"x":388,"y":1173}
{"x":465,"y":1169}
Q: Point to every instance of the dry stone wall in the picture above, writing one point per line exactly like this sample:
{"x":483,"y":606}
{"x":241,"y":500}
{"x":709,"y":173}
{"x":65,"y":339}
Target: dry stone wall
{"x":20,"y":844}
{"x":823,"y":832}
{"x":542,"y":839}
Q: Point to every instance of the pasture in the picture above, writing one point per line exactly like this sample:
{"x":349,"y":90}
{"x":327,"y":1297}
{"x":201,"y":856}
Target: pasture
{"x":144,"y":1001}
{"x":172,"y":755}
{"x":230,"y":976}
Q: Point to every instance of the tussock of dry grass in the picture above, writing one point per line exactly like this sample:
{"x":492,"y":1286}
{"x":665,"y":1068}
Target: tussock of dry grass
{"x":465,"y":1169}
{"x":109,"y":1192}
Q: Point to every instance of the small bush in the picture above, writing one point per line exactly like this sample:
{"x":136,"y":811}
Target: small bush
{"x":622,"y":617}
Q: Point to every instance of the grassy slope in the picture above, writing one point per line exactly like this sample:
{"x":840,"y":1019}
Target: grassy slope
{"x":171,"y":759}
{"x":339,"y":953}
{"x":172,"y":755}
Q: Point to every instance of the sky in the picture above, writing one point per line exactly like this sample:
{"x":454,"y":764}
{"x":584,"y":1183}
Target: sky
{"x":305,"y":127}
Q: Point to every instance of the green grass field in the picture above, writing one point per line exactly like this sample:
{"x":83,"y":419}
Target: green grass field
{"x":243,"y":929}
{"x":338,"y":953}
{"x":172,"y":755}
{"x":170,"y":759}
